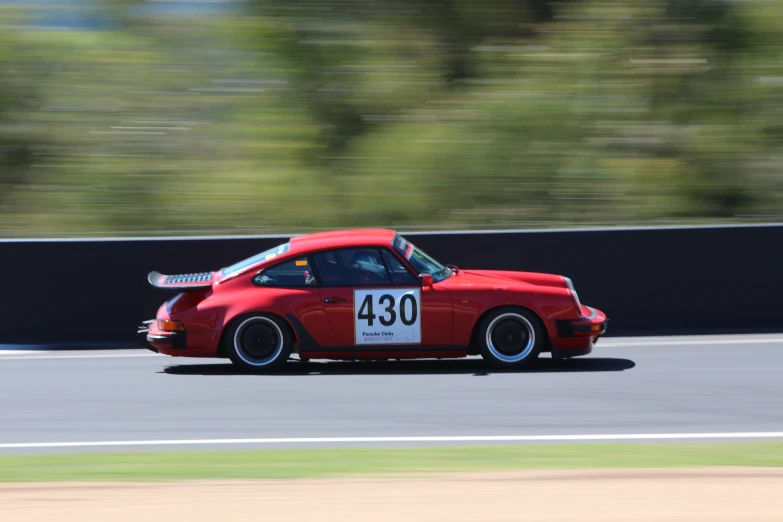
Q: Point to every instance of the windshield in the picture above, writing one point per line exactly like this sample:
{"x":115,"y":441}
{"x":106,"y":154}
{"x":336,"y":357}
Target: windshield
{"x":423,"y":263}
{"x":250,"y":261}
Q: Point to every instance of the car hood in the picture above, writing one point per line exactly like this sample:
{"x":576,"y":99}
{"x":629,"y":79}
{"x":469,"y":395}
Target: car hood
{"x":500,"y":277}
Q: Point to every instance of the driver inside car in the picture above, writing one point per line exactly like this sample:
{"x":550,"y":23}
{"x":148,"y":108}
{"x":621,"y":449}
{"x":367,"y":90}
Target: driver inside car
{"x":368,"y":267}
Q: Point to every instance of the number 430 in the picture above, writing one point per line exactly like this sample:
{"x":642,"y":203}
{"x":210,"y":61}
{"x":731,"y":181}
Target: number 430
{"x":388,"y":319}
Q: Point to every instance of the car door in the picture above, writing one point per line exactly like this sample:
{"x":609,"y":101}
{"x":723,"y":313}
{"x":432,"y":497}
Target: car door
{"x":373,"y":300}
{"x":292,"y":289}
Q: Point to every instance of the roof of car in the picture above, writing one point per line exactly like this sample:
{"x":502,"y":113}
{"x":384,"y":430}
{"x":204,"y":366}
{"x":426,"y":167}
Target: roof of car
{"x":342,"y":239}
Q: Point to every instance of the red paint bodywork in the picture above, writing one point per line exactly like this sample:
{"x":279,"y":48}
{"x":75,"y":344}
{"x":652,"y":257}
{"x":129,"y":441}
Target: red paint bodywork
{"x":450,"y":309}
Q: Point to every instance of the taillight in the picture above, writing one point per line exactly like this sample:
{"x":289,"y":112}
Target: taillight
{"x":167,"y":325}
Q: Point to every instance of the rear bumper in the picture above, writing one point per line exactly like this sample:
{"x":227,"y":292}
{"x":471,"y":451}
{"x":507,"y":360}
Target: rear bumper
{"x":155,"y":340}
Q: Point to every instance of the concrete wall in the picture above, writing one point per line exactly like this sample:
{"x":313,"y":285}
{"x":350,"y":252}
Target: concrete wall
{"x":648,"y":281}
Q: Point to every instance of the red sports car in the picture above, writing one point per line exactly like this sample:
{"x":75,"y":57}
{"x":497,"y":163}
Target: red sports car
{"x":367,"y":294}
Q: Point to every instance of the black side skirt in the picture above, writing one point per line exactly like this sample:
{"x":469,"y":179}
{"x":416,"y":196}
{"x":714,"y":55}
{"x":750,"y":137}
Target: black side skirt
{"x":308,"y":344}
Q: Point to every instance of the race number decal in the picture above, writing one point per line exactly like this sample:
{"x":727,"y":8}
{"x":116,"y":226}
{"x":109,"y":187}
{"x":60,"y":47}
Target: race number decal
{"x":387,"y":316}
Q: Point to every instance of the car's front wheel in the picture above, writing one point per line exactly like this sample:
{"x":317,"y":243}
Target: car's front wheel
{"x":511,"y":337}
{"x":258,"y":343}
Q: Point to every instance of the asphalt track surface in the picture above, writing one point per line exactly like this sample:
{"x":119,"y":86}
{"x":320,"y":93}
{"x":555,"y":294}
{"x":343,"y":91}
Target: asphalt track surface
{"x":627,"y":386}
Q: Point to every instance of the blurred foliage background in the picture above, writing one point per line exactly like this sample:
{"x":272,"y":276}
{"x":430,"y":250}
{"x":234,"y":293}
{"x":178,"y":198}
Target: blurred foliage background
{"x":134,"y":117}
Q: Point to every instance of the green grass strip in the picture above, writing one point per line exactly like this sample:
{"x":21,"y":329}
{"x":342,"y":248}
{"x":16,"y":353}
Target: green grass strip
{"x":174,"y":465}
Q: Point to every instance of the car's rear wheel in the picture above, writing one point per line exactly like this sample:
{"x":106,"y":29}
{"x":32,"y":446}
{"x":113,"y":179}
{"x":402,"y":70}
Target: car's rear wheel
{"x":511,"y":337}
{"x":258,"y":343}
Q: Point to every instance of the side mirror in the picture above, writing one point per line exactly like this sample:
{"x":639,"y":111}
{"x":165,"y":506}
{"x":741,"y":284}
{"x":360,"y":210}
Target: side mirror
{"x":426,"y":281}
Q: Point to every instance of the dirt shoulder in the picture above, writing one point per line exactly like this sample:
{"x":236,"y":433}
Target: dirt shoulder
{"x":622,"y":495}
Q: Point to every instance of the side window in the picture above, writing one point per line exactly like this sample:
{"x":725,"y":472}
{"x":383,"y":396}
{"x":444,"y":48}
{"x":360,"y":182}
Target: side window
{"x":296,"y":272}
{"x":400,"y":275}
{"x":351,"y":267}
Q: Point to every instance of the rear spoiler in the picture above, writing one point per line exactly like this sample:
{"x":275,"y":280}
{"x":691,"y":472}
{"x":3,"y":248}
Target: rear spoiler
{"x":181,"y":282}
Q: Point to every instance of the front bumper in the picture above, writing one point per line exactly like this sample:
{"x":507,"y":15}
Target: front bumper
{"x":577,"y":337}
{"x":155,"y":340}
{"x":592,"y":325}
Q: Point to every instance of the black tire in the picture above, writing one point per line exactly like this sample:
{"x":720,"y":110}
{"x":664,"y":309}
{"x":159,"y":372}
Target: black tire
{"x":511,"y":337}
{"x":258,"y":343}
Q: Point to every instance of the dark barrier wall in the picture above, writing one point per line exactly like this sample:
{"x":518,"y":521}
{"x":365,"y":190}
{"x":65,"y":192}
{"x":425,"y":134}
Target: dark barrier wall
{"x":648,"y":281}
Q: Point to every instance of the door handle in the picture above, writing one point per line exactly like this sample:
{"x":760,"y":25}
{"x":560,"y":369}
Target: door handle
{"x":329,"y":300}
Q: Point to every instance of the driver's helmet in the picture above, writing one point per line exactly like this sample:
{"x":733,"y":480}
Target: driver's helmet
{"x":365,"y":260}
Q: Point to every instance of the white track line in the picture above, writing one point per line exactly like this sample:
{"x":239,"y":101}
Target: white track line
{"x":466,"y":438}
{"x":16,"y":357}
{"x":687,"y":342}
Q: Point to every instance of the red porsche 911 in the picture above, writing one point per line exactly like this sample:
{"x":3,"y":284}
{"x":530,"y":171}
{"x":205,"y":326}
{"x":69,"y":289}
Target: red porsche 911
{"x":367,"y":294}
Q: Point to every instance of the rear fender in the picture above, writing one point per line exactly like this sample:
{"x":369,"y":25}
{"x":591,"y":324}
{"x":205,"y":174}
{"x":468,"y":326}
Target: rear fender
{"x":244,"y":314}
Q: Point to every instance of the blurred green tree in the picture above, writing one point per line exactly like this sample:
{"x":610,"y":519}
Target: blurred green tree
{"x":17,"y":142}
{"x":278,"y":115}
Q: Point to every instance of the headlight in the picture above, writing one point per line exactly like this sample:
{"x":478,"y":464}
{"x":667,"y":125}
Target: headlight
{"x":574,"y":294}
